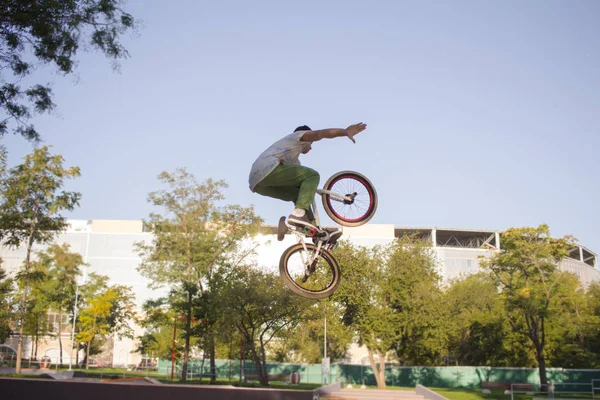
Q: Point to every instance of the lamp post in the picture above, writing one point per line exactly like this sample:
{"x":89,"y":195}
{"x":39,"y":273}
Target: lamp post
{"x":325,"y":363}
{"x":362,"y":372}
{"x":85,"y":257}
{"x":325,"y":337}
{"x":73,"y":328}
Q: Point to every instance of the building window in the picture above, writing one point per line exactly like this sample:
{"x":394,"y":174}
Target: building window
{"x":53,"y":322}
{"x":457,"y":266}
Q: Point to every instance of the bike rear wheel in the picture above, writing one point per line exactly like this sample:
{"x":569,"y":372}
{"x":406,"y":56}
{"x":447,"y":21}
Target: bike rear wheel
{"x":350,"y":213}
{"x":316,"y":281}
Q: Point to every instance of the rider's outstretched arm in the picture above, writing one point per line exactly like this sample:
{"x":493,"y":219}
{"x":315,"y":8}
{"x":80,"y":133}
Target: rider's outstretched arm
{"x":350,"y":132}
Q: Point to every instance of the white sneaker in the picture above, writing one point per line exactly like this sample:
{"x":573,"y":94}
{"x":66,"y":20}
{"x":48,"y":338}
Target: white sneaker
{"x":299,"y":219}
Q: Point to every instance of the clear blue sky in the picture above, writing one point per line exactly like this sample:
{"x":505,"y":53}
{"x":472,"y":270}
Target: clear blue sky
{"x":480,"y":115}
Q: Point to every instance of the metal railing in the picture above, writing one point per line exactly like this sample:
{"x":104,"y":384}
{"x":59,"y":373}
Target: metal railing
{"x":48,"y":364}
{"x":554,"y":390}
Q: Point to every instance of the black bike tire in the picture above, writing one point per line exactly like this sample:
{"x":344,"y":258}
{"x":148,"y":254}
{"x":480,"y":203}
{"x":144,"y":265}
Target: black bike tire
{"x":289,"y":282}
{"x":364,"y":219}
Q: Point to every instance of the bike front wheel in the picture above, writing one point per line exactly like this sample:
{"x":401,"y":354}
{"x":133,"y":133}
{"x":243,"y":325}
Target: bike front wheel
{"x":309,"y":276}
{"x":355,"y":212}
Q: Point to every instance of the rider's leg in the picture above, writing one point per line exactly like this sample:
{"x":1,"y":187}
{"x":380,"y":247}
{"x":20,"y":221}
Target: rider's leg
{"x":293,"y":179}
{"x":285,"y":193}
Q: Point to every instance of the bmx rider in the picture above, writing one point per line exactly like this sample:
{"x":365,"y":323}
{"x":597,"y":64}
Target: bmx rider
{"x":277,"y":172}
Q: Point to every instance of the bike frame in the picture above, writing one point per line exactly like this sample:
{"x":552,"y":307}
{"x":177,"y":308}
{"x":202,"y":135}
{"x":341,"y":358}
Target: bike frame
{"x":334,"y":196}
{"x":300,"y":237}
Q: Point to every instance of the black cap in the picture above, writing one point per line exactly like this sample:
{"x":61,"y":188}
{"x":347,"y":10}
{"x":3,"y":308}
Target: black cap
{"x":302,"y":128}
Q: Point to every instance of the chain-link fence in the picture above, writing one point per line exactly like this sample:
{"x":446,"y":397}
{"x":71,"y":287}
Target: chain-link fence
{"x":293,"y":373}
{"x":44,"y":362}
{"x":95,"y":368}
{"x":247,"y":372}
{"x":579,"y":391}
{"x":362,"y":374}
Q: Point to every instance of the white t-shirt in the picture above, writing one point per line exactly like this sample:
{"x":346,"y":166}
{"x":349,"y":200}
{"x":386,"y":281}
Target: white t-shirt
{"x":284,"y":151}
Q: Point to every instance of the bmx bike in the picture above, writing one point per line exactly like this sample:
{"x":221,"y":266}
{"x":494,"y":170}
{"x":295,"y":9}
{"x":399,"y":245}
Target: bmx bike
{"x":309,"y":269}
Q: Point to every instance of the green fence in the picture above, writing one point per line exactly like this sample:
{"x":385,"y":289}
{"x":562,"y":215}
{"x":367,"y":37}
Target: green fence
{"x":465,"y":377}
{"x":230,"y":369}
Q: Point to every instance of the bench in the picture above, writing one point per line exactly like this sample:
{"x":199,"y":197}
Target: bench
{"x":495,"y":385}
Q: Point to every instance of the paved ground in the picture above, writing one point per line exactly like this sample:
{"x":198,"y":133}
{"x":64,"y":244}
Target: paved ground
{"x":374,"y":394}
{"x":36,"y":371}
{"x":345,"y":394}
{"x":72,"y":376}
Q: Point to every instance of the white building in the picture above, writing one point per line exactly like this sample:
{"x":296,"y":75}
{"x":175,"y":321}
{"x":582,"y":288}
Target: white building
{"x":109,"y":249}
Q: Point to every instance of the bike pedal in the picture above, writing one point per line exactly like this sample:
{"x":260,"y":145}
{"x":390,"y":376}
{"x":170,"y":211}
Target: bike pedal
{"x":281,"y":229}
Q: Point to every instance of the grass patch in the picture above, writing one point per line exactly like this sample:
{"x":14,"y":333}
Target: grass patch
{"x":33,"y":376}
{"x":116,"y":373}
{"x":203,"y":381}
{"x":236,"y":383}
{"x":471,"y":394}
{"x":280,"y":385}
{"x":497,"y":394}
{"x":374,"y":387}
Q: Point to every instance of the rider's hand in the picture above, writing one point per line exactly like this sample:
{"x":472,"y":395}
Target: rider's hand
{"x":352,"y":130}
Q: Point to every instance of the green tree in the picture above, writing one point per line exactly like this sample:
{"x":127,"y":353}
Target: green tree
{"x":31,"y":202}
{"x":94,"y":320}
{"x":260,"y":307}
{"x":109,"y":312}
{"x":589,"y":334}
{"x":478,"y":331}
{"x":159,"y":341}
{"x":6,"y":290}
{"x":164,"y":323}
{"x":193,"y":235}
{"x":304,"y":342}
{"x":362,"y":299}
{"x":50,"y":32}
{"x":413,"y":293}
{"x":94,"y":285}
{"x":568,"y":330}
{"x":36,"y":323}
{"x":526,"y":270}
{"x":63,"y":270}
{"x":392,"y":300}
{"x":6,"y":284}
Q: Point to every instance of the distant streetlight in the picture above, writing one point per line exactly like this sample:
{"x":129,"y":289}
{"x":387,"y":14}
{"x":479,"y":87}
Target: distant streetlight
{"x":87,"y":245}
{"x":362,"y":365}
{"x":325,"y":363}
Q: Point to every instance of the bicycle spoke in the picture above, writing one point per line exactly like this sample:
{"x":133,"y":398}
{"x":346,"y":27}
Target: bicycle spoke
{"x":311,"y":280}
{"x":361,"y":204}
{"x":360,"y":199}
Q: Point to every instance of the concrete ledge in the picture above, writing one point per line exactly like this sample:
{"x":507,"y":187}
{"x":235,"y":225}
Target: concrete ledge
{"x":429,"y":394}
{"x":334,"y":387}
{"x":19,"y":389}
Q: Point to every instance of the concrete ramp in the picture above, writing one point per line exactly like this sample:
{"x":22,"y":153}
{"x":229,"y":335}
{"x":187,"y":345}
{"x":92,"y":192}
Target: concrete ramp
{"x":73,"y":389}
{"x":373,"y":394}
